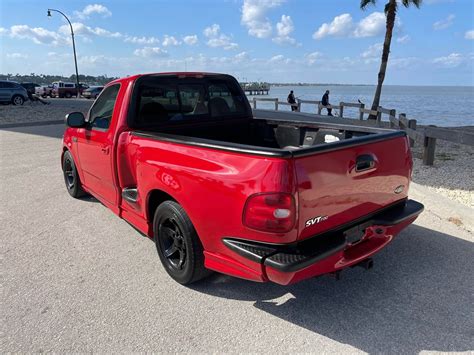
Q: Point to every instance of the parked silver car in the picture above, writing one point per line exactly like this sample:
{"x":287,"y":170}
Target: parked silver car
{"x":11,"y":92}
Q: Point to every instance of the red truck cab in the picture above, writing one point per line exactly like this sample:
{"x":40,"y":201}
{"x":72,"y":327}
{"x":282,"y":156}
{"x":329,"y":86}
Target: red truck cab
{"x":182,"y":158}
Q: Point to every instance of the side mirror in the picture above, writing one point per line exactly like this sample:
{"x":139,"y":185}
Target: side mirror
{"x":75,"y":120}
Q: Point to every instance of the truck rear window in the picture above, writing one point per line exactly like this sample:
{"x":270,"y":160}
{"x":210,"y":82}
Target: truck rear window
{"x":172,"y":100}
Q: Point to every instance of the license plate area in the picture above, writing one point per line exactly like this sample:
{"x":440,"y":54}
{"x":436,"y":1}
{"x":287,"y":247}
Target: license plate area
{"x":355,"y":234}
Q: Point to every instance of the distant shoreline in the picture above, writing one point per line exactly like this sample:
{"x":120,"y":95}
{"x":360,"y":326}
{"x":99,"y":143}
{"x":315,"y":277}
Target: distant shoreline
{"x":103,"y":79}
{"x":367,"y":85}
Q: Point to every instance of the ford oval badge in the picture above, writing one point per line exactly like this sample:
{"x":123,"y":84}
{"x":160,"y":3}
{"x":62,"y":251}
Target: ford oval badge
{"x":399,"y":189}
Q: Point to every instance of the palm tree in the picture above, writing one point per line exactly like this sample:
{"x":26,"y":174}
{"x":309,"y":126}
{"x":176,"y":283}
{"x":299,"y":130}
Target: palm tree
{"x":390,"y":12}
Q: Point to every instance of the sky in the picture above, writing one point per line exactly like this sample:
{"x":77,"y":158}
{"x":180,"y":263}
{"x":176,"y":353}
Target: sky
{"x":312,"y":41}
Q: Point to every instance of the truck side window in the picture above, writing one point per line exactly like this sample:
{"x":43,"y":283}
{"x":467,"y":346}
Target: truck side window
{"x":101,"y":112}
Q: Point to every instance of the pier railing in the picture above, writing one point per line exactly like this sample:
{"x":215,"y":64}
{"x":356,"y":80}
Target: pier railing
{"x":425,"y":136}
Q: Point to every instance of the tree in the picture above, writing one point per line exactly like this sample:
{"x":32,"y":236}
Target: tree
{"x":390,"y":12}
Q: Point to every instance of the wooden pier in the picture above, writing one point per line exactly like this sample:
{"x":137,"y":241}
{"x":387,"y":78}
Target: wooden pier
{"x":255,"y":88}
{"x":423,"y":135}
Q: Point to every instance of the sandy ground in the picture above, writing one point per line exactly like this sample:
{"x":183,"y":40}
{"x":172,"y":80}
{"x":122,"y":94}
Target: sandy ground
{"x":452,"y":175}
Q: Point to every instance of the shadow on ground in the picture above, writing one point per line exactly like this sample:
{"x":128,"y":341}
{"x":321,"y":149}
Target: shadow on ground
{"x":54,"y":130}
{"x":419,"y":296}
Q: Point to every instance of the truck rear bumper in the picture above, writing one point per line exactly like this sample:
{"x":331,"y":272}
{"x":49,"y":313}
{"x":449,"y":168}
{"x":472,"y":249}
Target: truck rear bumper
{"x":331,"y":251}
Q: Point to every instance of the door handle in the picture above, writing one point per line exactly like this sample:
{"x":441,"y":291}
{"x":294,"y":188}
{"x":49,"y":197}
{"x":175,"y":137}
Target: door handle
{"x":365,"y":162}
{"x":105,"y":150}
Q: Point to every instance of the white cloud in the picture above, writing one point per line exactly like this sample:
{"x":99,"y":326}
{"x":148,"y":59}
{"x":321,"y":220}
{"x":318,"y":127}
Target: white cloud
{"x":242,"y":56}
{"x":150,"y":52}
{"x":93,"y":9}
{"x":190,"y":40}
{"x":373,"y":53}
{"x":142,"y":40}
{"x":374,"y":50}
{"x":469,"y":35}
{"x":445,"y":23}
{"x":313,"y":57}
{"x":340,"y":26}
{"x":170,"y":41}
{"x":3,"y":31}
{"x":222,"y":41}
{"x":218,"y":39}
{"x":284,"y":28}
{"x":277,"y":58}
{"x":344,"y":26}
{"x":105,"y":33}
{"x":93,"y":59}
{"x":38,"y":35}
{"x":403,"y":63}
{"x":83,"y":30}
{"x":451,"y":61}
{"x":17,"y":56}
{"x":253,"y":17}
{"x":403,"y":39}
{"x":212,"y":31}
{"x":372,"y":25}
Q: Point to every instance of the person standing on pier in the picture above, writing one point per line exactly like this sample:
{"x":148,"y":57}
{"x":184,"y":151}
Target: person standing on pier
{"x":325,"y":102}
{"x":291,"y":100}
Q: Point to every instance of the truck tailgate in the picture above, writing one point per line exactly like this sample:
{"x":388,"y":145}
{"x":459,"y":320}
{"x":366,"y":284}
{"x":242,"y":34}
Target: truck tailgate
{"x":337,"y":185}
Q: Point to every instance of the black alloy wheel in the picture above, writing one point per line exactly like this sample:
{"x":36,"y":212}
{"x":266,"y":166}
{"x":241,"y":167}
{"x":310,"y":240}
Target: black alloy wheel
{"x":173,"y":244}
{"x":178,"y":244}
{"x":71,"y":177}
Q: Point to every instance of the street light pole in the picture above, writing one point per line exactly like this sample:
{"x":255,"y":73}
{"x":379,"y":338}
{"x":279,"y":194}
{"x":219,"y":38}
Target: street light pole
{"x":73,"y":46}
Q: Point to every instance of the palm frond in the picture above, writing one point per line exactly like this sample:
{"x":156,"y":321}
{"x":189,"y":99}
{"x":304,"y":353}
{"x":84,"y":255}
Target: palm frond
{"x":365,"y":3}
{"x":407,"y":3}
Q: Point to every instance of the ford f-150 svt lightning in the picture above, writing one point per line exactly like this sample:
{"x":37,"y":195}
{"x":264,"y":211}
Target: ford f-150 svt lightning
{"x":181,"y":158}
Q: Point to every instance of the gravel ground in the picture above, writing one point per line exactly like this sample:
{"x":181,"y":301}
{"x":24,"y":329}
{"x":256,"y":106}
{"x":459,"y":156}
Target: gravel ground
{"x":37,"y":112}
{"x":77,"y":279}
{"x":452,"y":175}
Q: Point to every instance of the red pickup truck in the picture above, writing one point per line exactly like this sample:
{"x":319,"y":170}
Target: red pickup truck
{"x":181,"y":158}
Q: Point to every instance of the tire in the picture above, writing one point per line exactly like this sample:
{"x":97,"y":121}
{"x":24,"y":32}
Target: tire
{"x":178,"y":244}
{"x":44,"y":96}
{"x":18,"y":100}
{"x":71,"y":177}
{"x":68,"y":95}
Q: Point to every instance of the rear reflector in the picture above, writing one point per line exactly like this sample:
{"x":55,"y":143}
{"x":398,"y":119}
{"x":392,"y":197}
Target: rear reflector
{"x":270,"y":212}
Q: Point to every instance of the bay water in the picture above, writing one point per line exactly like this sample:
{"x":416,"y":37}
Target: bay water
{"x":450,"y":106}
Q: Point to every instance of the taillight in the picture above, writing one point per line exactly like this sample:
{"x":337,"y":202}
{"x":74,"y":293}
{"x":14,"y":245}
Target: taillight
{"x":270,"y":212}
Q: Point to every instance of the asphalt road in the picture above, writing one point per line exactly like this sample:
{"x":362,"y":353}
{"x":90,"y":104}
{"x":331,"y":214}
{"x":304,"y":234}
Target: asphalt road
{"x":77,"y":278}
